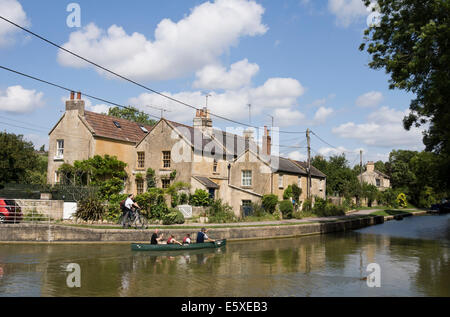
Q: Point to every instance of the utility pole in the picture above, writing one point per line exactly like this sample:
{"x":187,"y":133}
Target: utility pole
{"x":360,"y":166}
{"x":208,"y":95}
{"x":270,"y":158}
{"x":250,"y":113}
{"x":308,"y":183}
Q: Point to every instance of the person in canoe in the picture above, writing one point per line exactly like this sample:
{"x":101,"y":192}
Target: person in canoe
{"x":203,"y":237}
{"x":187,"y":239}
{"x":156,"y":238}
{"x":172,"y":240}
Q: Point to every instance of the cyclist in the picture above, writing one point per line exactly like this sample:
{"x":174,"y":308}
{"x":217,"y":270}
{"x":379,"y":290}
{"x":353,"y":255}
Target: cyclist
{"x":128,"y":209}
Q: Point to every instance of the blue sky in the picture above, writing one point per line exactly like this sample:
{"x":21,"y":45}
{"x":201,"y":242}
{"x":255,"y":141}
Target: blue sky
{"x":297,"y":61}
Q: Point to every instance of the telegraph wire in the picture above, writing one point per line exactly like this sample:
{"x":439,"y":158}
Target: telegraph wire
{"x":130,"y":80}
{"x":92,"y":97}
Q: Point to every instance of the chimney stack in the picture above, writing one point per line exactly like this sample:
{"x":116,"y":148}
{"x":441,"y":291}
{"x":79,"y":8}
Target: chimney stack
{"x":75,"y":104}
{"x":203,"y":121}
{"x":370,"y":166}
{"x":266,"y":142}
{"x":248,"y":134}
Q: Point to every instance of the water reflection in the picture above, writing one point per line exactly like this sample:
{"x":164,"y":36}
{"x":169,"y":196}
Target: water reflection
{"x":328,"y":265}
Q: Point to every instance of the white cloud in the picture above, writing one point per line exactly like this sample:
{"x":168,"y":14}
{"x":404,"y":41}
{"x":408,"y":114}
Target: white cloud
{"x":20,"y":100}
{"x":277,"y":92}
{"x":100,"y":108}
{"x":297,"y":156}
{"x":178,"y":48}
{"x":370,"y":99}
{"x":218,"y":77}
{"x":12,"y":10}
{"x":274,"y":93}
{"x":285,"y":117}
{"x":347,"y":11}
{"x":384,"y":128}
{"x":322,"y":114}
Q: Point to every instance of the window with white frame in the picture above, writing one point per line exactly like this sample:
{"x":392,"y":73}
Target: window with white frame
{"x":280,"y":181}
{"x":246,"y":178}
{"x":60,"y":148}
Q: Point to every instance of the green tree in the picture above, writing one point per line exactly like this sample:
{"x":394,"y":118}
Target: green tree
{"x":17,"y":157}
{"x":411,"y":43}
{"x":131,"y":114}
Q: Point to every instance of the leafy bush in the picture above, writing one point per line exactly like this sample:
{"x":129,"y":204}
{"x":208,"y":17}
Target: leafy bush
{"x":113,"y":211}
{"x":389,"y":198}
{"x":287,"y":194}
{"x":184,"y":199}
{"x":323,"y":208}
{"x":150,"y":178}
{"x":220,"y":212}
{"x":307,"y":205}
{"x":286,"y":209}
{"x":90,"y":208}
{"x":269,"y":203}
{"x":174,"y":216}
{"x":401,"y":200}
{"x":427,"y":197}
{"x":200,"y":198}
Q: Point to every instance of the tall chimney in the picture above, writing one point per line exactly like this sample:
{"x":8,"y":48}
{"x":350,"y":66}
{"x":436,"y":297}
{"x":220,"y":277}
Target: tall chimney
{"x":203,"y":121}
{"x":370,"y":166}
{"x":266,"y":142}
{"x":75,"y":104}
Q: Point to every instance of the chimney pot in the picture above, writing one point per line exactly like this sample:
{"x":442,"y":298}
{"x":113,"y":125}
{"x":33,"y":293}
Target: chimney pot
{"x":79,"y":95}
{"x":72,"y":95}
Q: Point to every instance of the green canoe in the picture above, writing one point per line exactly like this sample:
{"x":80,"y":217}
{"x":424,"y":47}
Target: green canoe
{"x":177,"y":247}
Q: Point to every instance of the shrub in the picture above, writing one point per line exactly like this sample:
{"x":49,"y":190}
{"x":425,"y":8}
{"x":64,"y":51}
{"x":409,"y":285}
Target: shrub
{"x":322,"y":208}
{"x":200,"y":198}
{"x":287,"y":193}
{"x":269,"y":203}
{"x":307,"y":205}
{"x":220,"y":213}
{"x":174,"y":216}
{"x":184,"y":199}
{"x":401,"y":200}
{"x":286,"y":209}
{"x":90,"y":208}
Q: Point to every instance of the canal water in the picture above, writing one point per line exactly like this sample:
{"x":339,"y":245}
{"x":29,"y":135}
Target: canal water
{"x":412,"y":254}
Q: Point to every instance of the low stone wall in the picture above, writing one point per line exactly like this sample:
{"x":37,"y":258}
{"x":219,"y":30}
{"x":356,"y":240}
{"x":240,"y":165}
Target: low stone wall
{"x":50,"y":208}
{"x":62,"y":233}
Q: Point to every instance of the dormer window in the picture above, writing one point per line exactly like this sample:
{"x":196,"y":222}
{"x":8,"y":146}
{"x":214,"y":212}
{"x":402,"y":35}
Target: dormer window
{"x":117,"y":124}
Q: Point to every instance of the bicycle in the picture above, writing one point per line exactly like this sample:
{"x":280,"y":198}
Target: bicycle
{"x":134,"y":218}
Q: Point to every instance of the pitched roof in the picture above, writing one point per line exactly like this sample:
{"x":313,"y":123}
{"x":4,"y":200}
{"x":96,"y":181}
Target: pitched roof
{"x":314,"y":171}
{"x":206,"y":181}
{"x":285,"y":165}
{"x":125,"y":130}
{"x":228,"y":143}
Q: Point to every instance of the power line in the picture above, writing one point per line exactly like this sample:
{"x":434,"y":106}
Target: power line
{"x":89,"y":96}
{"x":67,"y":89}
{"x":127,"y":79}
{"x":342,"y":151}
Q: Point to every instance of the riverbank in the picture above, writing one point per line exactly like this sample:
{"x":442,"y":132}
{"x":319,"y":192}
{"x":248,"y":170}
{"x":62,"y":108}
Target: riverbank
{"x":54,"y":233}
{"x":70,"y":233}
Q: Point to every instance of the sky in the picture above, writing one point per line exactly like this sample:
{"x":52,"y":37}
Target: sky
{"x":296,"y":61}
